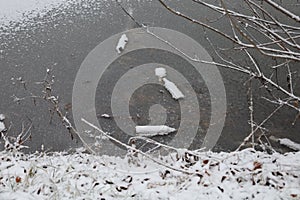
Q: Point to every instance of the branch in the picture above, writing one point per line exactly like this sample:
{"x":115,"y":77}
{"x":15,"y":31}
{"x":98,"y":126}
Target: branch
{"x":283,"y":10}
{"x":137,"y":150}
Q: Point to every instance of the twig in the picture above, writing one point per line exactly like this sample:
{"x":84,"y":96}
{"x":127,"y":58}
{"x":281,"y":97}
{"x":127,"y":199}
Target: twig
{"x":283,"y":10}
{"x":259,"y":126}
{"x":128,"y":147}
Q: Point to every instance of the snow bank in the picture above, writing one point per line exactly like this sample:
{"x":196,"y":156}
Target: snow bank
{"x":239,"y":175}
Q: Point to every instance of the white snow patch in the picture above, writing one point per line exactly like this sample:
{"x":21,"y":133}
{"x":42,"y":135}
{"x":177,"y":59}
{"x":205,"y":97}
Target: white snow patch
{"x":173,"y":89}
{"x":130,"y":11}
{"x":289,"y":143}
{"x":154,"y":130}
{"x":105,"y":116}
{"x":2,"y":126}
{"x":122,"y":43}
{"x":14,"y":10}
{"x":160,"y":72}
{"x":286,"y":142}
{"x":2,"y":117}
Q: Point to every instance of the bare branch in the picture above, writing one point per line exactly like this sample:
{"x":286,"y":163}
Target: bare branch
{"x":283,"y":10}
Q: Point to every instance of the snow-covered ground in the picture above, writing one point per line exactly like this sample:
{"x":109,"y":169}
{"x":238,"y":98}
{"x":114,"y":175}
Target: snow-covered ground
{"x":238,"y":175}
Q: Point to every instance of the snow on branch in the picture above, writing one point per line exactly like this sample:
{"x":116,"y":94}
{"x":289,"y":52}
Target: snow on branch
{"x":283,"y":10}
{"x":257,"y":31}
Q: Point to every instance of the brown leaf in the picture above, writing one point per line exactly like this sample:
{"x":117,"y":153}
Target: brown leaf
{"x":296,"y":103}
{"x":18,"y":179}
{"x":257,"y":165}
{"x":205,"y":162}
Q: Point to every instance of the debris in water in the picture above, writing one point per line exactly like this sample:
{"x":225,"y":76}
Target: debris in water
{"x":169,"y":85}
{"x":160,"y":72}
{"x":173,"y":89}
{"x":105,"y":116}
{"x":154,"y":130}
{"x":122,"y":43}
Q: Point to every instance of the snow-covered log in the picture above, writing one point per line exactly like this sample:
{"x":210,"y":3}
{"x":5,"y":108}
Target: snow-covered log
{"x":154,"y":130}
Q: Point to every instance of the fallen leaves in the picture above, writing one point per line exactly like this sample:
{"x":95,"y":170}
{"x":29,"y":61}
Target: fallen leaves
{"x":18,"y":179}
{"x":257,"y":165}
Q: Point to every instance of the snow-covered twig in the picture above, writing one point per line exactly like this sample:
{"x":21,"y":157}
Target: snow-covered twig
{"x":15,"y":144}
{"x":258,"y":30}
{"x":128,"y":147}
{"x":283,"y":10}
{"x":251,"y":111}
{"x":259,"y":126}
{"x":260,"y":23}
{"x":247,"y":174}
